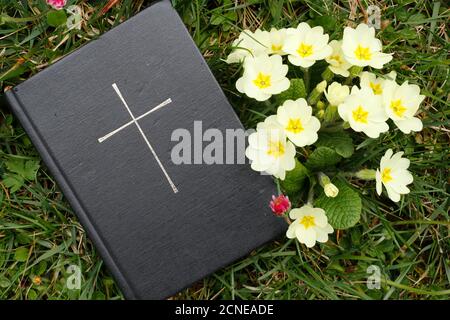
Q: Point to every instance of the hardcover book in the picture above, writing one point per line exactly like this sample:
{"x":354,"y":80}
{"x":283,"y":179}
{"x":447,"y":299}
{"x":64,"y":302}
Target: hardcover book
{"x":102,"y":119}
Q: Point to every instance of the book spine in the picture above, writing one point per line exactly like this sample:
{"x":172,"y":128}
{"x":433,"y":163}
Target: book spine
{"x":15,"y":105}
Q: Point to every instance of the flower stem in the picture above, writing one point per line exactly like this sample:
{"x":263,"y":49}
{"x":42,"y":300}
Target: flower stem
{"x":277,"y":181}
{"x":311,"y":195}
{"x":323,"y":178}
{"x":4,"y":18}
{"x":327,"y":75}
{"x":306,"y":78}
{"x":286,"y":218}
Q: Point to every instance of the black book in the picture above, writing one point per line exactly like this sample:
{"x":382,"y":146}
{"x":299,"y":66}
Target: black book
{"x":102,"y":119}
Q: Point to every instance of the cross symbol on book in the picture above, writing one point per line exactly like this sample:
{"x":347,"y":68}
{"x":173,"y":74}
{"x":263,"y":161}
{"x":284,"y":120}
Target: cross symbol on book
{"x":135,"y":121}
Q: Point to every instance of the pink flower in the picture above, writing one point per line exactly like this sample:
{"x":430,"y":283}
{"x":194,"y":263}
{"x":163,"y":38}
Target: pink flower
{"x":280,"y":204}
{"x":57,"y":4}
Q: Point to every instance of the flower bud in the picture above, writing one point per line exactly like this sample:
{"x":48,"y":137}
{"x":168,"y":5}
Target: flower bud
{"x":330,"y":190}
{"x":355,"y":70}
{"x":366,"y":174}
{"x":336,"y":93}
{"x":320,"y":114}
{"x":321,"y":86}
{"x":57,"y":4}
{"x":316,"y":93}
{"x":321,"y":105}
{"x":331,"y":113}
{"x":327,"y":74}
{"x":280,"y":205}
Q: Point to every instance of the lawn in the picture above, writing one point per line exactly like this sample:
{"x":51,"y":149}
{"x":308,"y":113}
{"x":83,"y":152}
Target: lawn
{"x":409,"y":241}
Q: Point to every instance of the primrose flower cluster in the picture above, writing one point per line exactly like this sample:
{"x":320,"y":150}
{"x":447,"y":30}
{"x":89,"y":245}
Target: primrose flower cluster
{"x":346,"y":97}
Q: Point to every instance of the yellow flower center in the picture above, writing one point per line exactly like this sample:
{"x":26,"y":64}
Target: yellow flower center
{"x":294,"y":126}
{"x":386,"y":175}
{"x":262,"y":80}
{"x":276,"y":149}
{"x":398,"y":108}
{"x":308,"y":221}
{"x":376,"y":87}
{"x":337,"y":58}
{"x":305,"y":50}
{"x":360,"y":115}
{"x":276,"y":48}
{"x":363,"y":53}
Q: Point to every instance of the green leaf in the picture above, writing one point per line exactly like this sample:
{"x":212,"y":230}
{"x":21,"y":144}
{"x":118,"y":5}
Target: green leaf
{"x":4,"y":282}
{"x":14,"y":72}
{"x":27,"y":169}
{"x":322,"y":157}
{"x":30,"y":170}
{"x":32,"y":295}
{"x":327,"y":22}
{"x":56,"y":18}
{"x":340,"y":141}
{"x":222,"y":18}
{"x":98,"y":295}
{"x":21,"y":254}
{"x":295,"y":91}
{"x":13,"y":182}
{"x":295,"y":179}
{"x":276,"y":8}
{"x":41,"y":268}
{"x":343,"y":211}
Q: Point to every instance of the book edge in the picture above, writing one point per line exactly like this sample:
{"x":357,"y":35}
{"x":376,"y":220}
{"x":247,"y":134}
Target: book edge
{"x":13,"y":101}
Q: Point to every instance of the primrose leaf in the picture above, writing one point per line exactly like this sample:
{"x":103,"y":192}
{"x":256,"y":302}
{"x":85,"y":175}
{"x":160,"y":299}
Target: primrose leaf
{"x":344,"y":210}
{"x":340,"y":141}
{"x":295,"y":91}
{"x":322,"y":158}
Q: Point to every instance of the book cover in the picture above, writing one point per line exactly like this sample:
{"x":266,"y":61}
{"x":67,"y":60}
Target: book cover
{"x":103,"y":120}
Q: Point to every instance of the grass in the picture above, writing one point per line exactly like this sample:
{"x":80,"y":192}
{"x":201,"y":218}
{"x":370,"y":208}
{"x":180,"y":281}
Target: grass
{"x":40,"y":236}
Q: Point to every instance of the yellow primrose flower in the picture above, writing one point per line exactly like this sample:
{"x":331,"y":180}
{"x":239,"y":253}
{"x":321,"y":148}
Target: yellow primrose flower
{"x":298,"y":123}
{"x":276,"y":41}
{"x":368,"y":79}
{"x":393,"y":174}
{"x":361,"y":48}
{"x":309,"y":225}
{"x":268,"y":149}
{"x":363,"y":110}
{"x":263,"y":76}
{"x":249,"y":44}
{"x":401,"y":104}
{"x":305,"y":45}
{"x":336,"y":93}
{"x":336,"y":60}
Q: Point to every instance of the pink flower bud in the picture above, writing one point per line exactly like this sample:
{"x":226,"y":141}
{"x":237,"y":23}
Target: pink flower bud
{"x":57,"y":4}
{"x":280,"y":204}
